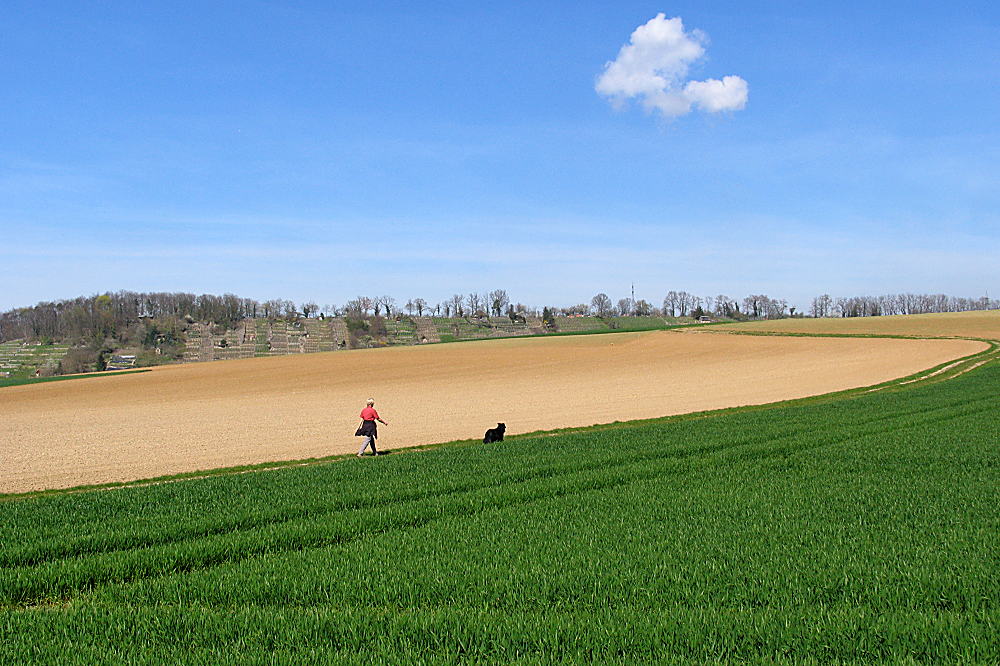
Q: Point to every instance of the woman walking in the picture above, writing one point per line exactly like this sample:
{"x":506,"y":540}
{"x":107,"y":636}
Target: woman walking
{"x":368,"y":429}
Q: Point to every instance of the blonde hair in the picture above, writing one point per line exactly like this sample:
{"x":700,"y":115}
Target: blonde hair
{"x":371,"y":401}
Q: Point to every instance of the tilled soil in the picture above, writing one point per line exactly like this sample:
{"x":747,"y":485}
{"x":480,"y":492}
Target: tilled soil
{"x":192,"y":417}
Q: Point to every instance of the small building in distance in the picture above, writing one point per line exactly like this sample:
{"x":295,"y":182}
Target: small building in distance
{"x":121,"y":362}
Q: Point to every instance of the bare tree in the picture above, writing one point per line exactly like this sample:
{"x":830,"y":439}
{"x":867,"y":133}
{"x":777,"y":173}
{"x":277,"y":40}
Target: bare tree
{"x":309,"y":308}
{"x":624,"y":307}
{"x":670,"y":302}
{"x":474,"y":302}
{"x":822,"y":306}
{"x":755,"y":305}
{"x":271,"y":309}
{"x":248,"y":305}
{"x":388,"y":304}
{"x":601,"y":305}
{"x":420,"y":304}
{"x":841,"y":306}
{"x":725,"y":306}
{"x":685,"y":303}
{"x":643,"y":308}
{"x":776,"y":308}
{"x":498,"y":300}
{"x":456,"y":305}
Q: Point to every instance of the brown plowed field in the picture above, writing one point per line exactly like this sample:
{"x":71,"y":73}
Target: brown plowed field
{"x":976,"y":324}
{"x":200,"y":416}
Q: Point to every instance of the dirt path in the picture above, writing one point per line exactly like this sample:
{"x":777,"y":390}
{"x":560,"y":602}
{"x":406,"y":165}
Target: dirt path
{"x":201,"y":416}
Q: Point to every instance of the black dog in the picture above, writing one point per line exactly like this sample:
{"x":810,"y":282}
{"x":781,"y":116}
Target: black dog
{"x":494,"y":434}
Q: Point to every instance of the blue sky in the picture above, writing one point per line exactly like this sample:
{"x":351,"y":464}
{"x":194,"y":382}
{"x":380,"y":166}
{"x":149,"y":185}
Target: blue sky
{"x":321,"y":151}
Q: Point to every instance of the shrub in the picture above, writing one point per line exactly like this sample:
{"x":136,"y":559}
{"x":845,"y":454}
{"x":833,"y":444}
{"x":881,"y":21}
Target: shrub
{"x":377,"y":327}
{"x":77,"y":360}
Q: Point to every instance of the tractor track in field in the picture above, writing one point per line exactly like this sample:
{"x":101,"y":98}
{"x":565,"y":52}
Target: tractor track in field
{"x":951,"y":370}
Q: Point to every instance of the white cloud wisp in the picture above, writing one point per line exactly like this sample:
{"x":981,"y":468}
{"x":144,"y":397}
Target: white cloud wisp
{"x":653,"y":68}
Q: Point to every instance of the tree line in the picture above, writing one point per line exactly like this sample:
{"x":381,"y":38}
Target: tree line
{"x":128,"y":315}
{"x":684,"y":304}
{"x":110,"y":315}
{"x":896,"y":304}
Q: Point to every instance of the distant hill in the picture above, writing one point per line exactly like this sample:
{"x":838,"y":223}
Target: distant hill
{"x":126,"y":329}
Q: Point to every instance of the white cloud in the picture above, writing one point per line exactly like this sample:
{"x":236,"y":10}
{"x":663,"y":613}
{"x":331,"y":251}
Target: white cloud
{"x":714,"y":95}
{"x":653,"y":68}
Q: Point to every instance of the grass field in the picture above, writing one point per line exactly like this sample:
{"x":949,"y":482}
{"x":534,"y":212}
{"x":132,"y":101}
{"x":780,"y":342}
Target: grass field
{"x":977,"y":324}
{"x":599,"y":324}
{"x":856,"y":530}
{"x":59,"y":378}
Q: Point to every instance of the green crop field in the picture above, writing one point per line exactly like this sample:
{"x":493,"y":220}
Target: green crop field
{"x":602,"y":324}
{"x":852,"y":530}
{"x":61,"y":378}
